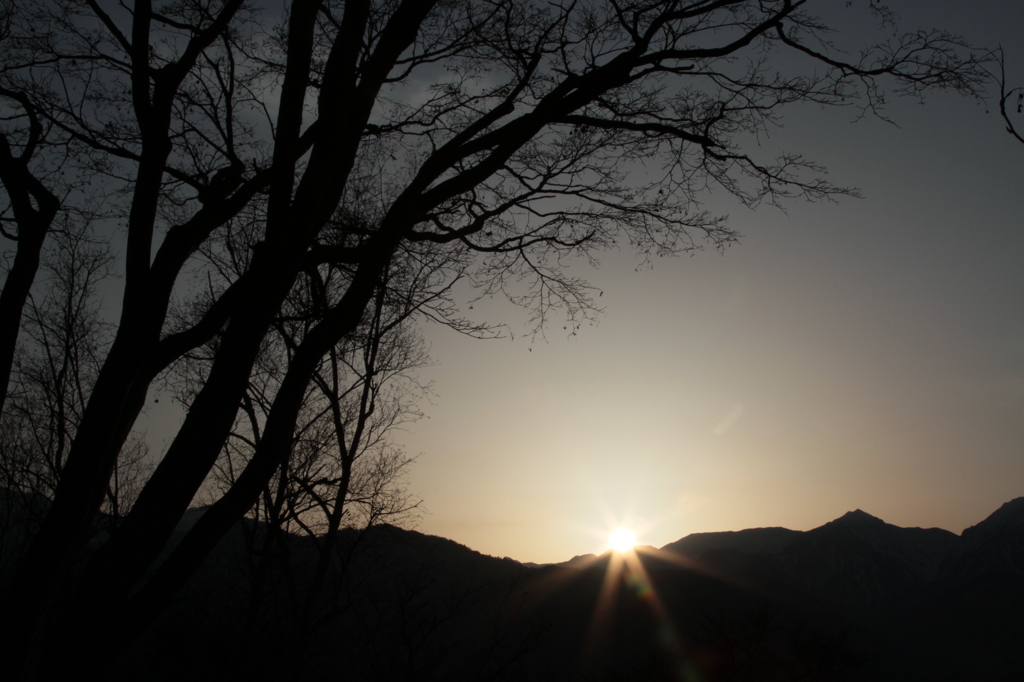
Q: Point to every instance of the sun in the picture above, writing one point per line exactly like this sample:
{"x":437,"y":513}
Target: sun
{"x":621,"y":540}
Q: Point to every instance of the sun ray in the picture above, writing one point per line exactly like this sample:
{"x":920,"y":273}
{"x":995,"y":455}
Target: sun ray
{"x":600,"y":618}
{"x":668,"y":634}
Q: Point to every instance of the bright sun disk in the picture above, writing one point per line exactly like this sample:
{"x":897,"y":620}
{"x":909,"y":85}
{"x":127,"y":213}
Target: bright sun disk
{"x":621,"y":539}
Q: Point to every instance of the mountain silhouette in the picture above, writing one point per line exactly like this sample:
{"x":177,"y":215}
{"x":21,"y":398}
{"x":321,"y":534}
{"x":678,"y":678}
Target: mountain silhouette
{"x":750,"y":541}
{"x":856,"y":599}
{"x":938,"y":606}
{"x":994,"y":545}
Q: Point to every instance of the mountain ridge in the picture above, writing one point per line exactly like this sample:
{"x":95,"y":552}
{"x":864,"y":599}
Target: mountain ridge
{"x":855,"y":599}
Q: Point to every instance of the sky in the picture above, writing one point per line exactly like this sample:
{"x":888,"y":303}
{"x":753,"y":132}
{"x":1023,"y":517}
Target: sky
{"x":866,"y":354}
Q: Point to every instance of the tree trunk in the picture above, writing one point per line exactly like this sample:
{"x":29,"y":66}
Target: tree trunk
{"x":33,"y":225}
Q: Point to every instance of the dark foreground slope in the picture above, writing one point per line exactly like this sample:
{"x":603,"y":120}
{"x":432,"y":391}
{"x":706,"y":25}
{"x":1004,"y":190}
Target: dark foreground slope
{"x":856,"y":599}
{"x":416,"y":607}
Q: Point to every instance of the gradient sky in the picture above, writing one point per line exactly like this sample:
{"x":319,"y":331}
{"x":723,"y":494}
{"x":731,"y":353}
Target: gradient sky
{"x":867,"y":354}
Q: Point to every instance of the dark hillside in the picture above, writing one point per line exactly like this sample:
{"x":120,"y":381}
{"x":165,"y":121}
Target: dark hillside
{"x":856,"y":599}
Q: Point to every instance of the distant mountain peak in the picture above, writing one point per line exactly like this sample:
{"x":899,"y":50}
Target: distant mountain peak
{"x":856,"y":523}
{"x":858,"y":516}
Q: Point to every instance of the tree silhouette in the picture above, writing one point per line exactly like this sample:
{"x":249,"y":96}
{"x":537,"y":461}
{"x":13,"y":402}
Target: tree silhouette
{"x":493,"y":140}
{"x":54,"y":372}
{"x":343,"y":470}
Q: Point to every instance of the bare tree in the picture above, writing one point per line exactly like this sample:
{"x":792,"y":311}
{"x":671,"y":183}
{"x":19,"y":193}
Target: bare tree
{"x":343,"y":468}
{"x":54,"y":371}
{"x":497,"y":138}
{"x":66,"y":338}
